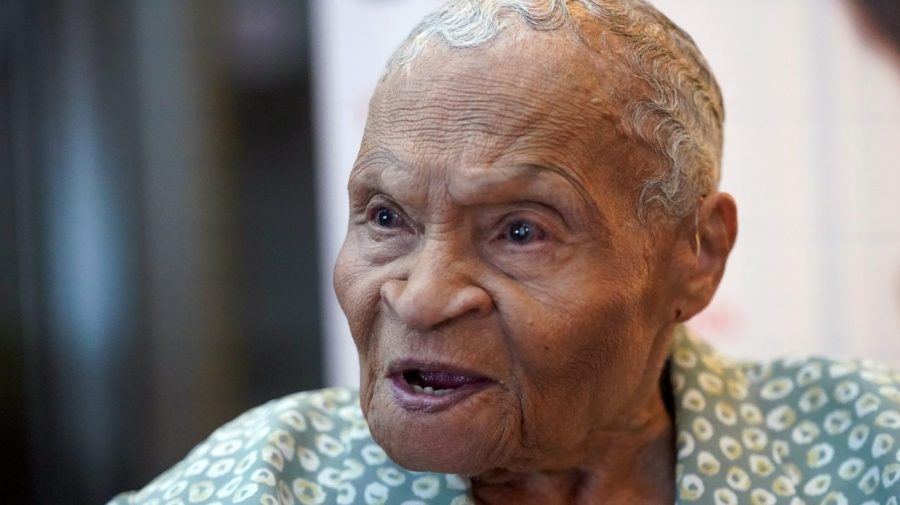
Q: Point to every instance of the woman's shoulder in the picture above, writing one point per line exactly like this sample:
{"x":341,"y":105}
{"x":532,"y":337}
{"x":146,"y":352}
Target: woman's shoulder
{"x":812,"y":429}
{"x":313,"y":447}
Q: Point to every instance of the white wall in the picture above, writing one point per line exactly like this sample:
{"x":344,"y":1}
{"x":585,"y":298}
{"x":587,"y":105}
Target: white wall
{"x":812,"y":154}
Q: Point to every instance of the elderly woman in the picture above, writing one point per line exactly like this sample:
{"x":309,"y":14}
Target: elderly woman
{"x":533,"y":214}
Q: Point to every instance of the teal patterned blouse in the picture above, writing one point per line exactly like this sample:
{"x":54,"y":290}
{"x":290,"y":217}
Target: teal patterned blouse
{"x":792,"y":431}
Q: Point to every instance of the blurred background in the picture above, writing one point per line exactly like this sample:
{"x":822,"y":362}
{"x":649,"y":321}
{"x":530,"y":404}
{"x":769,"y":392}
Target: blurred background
{"x":171,"y":201}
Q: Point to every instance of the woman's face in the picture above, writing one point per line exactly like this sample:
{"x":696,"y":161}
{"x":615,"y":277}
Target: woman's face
{"x":508,"y":308}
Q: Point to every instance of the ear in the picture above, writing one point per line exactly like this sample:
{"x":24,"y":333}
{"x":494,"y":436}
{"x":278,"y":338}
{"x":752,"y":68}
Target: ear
{"x":712,"y":230}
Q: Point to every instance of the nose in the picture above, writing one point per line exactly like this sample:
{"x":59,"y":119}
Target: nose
{"x":438,"y":289}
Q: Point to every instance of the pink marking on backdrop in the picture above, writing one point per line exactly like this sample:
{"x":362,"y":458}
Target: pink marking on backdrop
{"x":721,"y":321}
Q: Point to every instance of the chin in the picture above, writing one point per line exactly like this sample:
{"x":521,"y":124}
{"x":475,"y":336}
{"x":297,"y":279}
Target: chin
{"x":451,"y":455}
{"x":466,"y":440}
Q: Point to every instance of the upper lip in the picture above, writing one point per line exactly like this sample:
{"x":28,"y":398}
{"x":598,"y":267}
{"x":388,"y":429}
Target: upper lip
{"x":407,"y":364}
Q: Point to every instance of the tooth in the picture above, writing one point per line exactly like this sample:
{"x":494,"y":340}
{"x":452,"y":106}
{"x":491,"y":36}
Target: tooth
{"x":430,"y":390}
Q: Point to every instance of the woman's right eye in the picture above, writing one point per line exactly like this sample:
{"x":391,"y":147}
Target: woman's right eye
{"x":385,"y":217}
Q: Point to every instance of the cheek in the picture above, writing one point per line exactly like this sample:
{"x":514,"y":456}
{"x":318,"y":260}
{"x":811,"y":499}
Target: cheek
{"x":357,"y":288}
{"x":358,"y":292}
{"x":583,"y":352}
{"x":576,"y":346}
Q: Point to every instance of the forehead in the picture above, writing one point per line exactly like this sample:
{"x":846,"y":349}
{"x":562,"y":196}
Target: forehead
{"x":538,"y":98}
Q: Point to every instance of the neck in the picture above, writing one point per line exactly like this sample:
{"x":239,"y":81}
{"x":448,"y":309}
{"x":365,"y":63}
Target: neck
{"x":639,"y":472}
{"x":627,"y":467}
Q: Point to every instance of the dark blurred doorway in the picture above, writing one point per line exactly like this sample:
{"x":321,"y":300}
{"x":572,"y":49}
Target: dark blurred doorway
{"x":158,"y":250}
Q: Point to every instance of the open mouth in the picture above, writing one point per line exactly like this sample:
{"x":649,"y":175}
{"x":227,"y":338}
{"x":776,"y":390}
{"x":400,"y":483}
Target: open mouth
{"x":438,"y":383}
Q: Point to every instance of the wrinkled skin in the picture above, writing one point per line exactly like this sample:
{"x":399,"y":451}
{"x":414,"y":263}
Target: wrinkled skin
{"x":571,"y":324}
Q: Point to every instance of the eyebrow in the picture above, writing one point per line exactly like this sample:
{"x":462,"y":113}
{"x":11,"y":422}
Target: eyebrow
{"x":368,"y":173}
{"x":481,"y":184}
{"x":374,"y":157}
{"x":479,"y":180}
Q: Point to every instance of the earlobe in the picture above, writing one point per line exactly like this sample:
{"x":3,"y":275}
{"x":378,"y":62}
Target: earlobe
{"x":712,"y":235}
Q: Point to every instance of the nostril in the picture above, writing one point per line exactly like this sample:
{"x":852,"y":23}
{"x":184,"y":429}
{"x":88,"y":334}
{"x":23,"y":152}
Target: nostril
{"x":391,"y":291}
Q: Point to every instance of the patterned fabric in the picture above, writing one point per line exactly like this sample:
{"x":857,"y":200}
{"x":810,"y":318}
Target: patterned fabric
{"x":793,"y":432}
{"x":310,"y":448}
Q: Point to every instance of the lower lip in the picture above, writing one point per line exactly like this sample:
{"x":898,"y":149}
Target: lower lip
{"x":411,"y":400}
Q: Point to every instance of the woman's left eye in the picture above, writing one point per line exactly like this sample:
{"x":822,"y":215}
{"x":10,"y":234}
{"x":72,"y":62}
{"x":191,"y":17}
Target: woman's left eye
{"x":523,"y":232}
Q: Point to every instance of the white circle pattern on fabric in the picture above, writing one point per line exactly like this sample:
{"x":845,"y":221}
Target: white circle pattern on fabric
{"x":801,"y":431}
{"x":311,"y":448}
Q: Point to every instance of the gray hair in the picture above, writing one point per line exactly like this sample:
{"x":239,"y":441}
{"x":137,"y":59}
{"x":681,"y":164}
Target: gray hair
{"x":680,"y":119}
